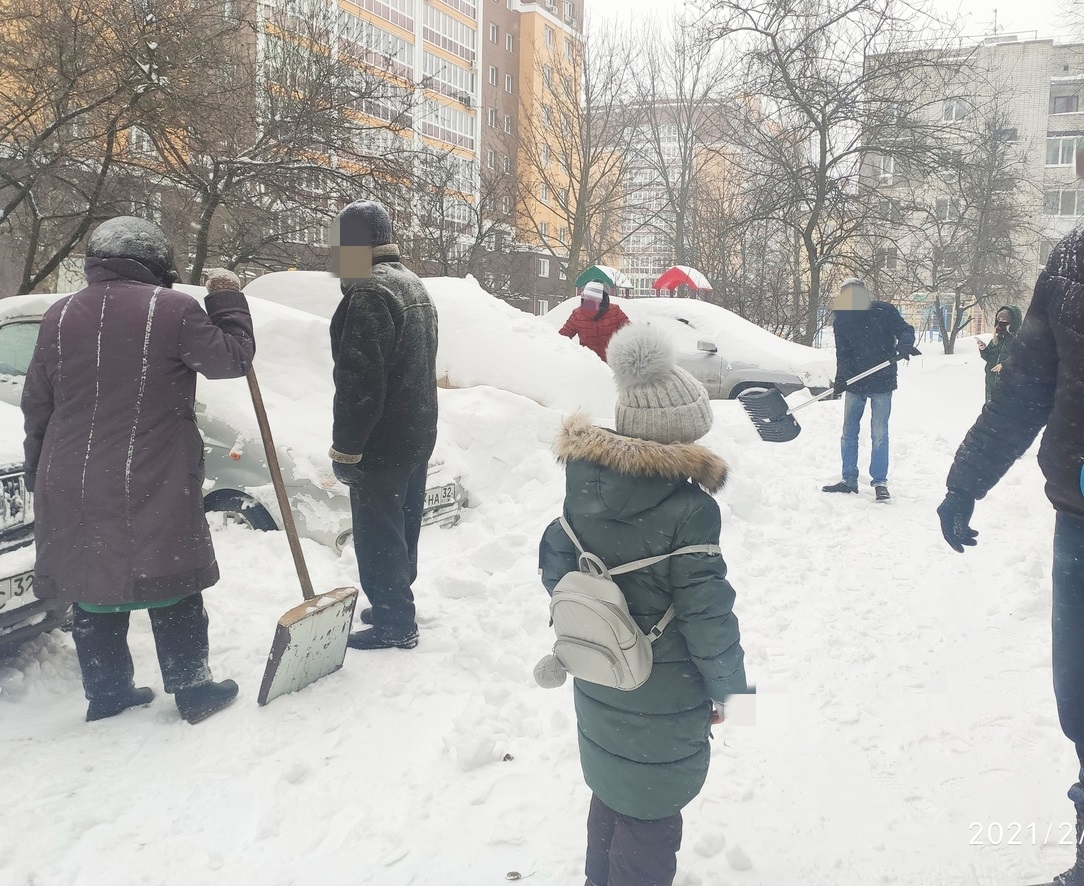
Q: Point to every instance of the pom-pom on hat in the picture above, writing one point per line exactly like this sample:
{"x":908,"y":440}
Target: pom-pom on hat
{"x":656,"y":399}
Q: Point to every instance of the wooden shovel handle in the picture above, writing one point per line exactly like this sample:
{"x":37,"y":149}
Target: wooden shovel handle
{"x":280,"y":489}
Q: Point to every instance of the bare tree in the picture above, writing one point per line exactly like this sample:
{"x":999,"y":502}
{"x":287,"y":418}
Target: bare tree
{"x":830,"y":94}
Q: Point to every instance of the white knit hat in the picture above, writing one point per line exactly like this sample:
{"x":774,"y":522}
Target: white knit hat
{"x":656,"y":399}
{"x":593,"y":291}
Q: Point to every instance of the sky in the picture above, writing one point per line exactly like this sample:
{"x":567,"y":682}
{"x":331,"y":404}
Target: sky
{"x":1013,"y":16}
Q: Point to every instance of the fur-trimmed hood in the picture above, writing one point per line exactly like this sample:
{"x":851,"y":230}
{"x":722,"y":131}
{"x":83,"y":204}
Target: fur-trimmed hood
{"x":579,"y":440}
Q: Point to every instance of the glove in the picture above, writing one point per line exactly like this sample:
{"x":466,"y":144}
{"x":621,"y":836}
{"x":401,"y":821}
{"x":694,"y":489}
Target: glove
{"x":349,"y":474}
{"x":839,"y":385}
{"x":955,"y":513}
{"x":908,"y":353}
{"x":222,"y":280}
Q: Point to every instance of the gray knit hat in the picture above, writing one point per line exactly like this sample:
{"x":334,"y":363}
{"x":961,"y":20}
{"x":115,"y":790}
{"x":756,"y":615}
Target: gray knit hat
{"x":656,"y":399}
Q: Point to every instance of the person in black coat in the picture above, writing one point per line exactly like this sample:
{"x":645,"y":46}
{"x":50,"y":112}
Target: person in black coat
{"x":384,"y":344}
{"x":867,"y":333}
{"x":1041,"y":384}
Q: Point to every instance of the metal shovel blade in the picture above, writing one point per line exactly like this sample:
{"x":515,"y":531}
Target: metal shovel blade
{"x":770,"y":414}
{"x":310,"y":643}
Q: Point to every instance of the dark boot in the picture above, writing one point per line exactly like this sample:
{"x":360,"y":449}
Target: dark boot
{"x":882,"y":493}
{"x":199,"y":702}
{"x":380,"y":637}
{"x":1075,"y":875}
{"x":840,"y":487}
{"x":110,"y":705}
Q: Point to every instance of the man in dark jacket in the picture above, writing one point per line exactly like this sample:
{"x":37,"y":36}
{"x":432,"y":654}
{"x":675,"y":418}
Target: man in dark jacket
{"x":1041,"y":383}
{"x":384,"y":344}
{"x":1006,"y":326}
{"x":115,"y":460}
{"x":867,"y":333}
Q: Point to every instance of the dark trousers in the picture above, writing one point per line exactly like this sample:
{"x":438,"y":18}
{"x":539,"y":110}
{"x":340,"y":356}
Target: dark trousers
{"x":180,"y":637}
{"x":625,"y":851}
{"x":386,"y":505}
{"x":1067,"y":629}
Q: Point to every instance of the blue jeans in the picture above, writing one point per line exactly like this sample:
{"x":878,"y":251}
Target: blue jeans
{"x":853,"y":407}
{"x":1067,"y":629}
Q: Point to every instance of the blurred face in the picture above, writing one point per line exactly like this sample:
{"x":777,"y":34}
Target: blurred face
{"x":351,"y":249}
{"x":1002,"y":321}
{"x":852,"y":297}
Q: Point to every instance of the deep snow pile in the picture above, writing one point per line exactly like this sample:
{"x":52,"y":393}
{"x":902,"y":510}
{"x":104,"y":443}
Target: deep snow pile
{"x":905,"y":710}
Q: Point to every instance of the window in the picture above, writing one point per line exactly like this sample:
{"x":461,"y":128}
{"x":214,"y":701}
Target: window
{"x":544,"y":229}
{"x":139,"y":143}
{"x":506,"y":204}
{"x":889,"y":210}
{"x":886,"y":258}
{"x":543,"y":267}
{"x":549,"y":38}
{"x":541,"y":307}
{"x":547,"y":75}
{"x":954,"y":110}
{"x":509,"y":83}
{"x":546,"y":114}
{"x":570,"y":13}
{"x":544,"y":193}
{"x":883,"y":166}
{"x":1062,"y":151}
{"x":568,"y":49}
{"x":508,"y":44}
{"x":544,"y":155}
{"x":492,"y":115}
{"x":1063,"y":202}
{"x":507,"y":124}
{"x":494,"y":34}
{"x":946,"y":209}
{"x":562,"y":235}
{"x":491,"y":159}
{"x":492,"y":75}
{"x":562,"y":269}
{"x":1007,"y":134}
{"x":1064,"y":104}
{"x":508,"y":165}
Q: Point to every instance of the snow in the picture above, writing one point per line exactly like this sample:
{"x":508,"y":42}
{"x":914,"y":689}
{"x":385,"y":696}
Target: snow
{"x":905,"y":730}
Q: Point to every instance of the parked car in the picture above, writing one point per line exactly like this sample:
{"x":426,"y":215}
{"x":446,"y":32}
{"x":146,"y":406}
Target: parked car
{"x":724,"y":351}
{"x":22,"y":615}
{"x":293,"y":364}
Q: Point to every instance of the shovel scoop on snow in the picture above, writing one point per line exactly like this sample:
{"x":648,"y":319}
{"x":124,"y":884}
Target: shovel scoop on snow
{"x":771,"y":416}
{"x":310,"y":639}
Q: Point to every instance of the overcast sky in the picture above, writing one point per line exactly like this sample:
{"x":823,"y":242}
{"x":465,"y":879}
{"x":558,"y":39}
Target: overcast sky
{"x":1013,"y":16}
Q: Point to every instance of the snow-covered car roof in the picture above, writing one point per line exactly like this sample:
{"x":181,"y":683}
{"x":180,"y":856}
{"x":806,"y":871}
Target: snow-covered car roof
{"x":482,"y":341}
{"x":739,"y":341}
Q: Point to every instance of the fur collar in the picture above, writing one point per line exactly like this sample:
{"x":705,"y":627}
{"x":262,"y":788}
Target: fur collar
{"x":579,"y":440}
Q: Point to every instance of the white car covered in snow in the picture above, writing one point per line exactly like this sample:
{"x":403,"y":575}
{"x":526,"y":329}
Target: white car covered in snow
{"x":293,"y":365}
{"x":724,"y":351}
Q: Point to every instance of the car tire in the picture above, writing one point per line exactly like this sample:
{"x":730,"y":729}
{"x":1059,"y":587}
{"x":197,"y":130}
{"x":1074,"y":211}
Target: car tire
{"x":237,"y":507}
{"x":747,"y":386}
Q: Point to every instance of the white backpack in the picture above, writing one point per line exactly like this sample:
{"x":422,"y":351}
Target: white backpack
{"x":597,"y":639}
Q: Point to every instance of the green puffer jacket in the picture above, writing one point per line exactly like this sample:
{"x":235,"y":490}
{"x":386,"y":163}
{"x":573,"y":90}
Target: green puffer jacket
{"x":997,"y":351}
{"x":645,"y":752}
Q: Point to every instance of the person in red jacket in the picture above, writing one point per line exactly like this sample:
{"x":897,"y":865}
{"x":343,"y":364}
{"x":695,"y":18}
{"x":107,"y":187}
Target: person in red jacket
{"x":595,"y":320}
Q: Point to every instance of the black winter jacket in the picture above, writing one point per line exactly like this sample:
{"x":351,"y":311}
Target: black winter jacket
{"x":1041,"y":383}
{"x":866,"y":338}
{"x":384,"y":344}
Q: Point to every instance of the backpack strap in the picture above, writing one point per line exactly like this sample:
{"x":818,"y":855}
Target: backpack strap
{"x":668,"y":617}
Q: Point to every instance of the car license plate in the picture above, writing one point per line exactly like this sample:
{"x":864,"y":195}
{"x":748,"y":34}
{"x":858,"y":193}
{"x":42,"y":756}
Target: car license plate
{"x":439,"y":495}
{"x":16,"y":591}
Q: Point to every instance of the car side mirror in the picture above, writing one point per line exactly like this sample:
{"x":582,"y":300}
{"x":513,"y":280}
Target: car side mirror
{"x":708,"y":346}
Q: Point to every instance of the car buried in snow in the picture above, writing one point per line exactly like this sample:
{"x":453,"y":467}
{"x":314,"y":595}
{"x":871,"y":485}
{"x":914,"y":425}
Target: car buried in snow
{"x":293,"y":362}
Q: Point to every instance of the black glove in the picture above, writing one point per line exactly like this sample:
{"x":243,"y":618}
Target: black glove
{"x":955,"y":513}
{"x":348,"y":474}
{"x":839,"y":385}
{"x":906,"y":353}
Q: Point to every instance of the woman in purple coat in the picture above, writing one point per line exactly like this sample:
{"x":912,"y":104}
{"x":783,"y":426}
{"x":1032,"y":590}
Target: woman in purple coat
{"x":115,"y":461}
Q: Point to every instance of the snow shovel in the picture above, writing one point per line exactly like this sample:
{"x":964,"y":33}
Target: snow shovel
{"x":771,"y":416}
{"x":310,"y":639}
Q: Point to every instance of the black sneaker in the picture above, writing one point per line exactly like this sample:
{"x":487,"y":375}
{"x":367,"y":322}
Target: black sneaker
{"x":111,"y":705}
{"x":199,"y":702}
{"x":882,"y":493}
{"x":840,"y":487}
{"x":384,"y":638}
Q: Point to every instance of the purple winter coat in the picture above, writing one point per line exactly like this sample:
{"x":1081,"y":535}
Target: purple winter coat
{"x":113,"y":453}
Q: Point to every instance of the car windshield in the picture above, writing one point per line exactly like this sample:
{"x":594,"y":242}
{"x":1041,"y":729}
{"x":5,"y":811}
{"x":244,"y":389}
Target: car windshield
{"x":17,"y":342}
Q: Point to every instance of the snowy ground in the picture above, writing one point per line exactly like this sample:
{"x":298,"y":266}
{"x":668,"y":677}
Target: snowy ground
{"x":905,"y":732}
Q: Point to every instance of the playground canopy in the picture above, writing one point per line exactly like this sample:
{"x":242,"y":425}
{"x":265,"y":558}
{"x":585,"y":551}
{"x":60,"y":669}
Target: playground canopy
{"x":682,"y":275}
{"x":607,"y":276}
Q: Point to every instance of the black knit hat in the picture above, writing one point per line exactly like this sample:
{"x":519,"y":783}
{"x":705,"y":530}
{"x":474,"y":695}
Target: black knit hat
{"x":129,"y":237}
{"x":364,"y":223}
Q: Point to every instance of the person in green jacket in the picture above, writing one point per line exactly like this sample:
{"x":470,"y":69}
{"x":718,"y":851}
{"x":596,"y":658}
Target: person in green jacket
{"x":642,"y":491}
{"x":1006,"y":326}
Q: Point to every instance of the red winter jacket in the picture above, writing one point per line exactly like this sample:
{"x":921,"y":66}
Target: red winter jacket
{"x":595,"y":334}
